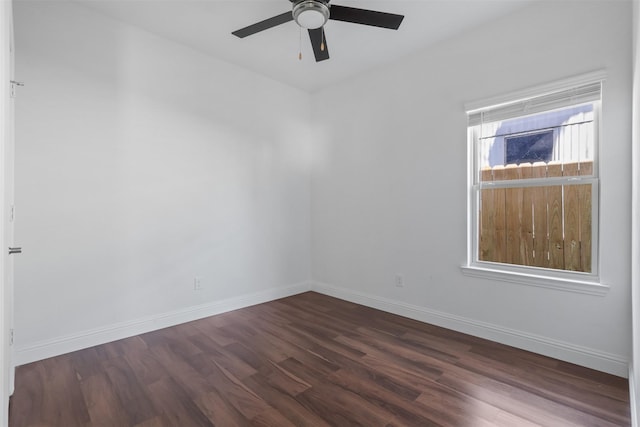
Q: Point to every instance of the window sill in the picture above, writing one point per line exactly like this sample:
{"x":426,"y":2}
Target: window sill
{"x":564,"y":284}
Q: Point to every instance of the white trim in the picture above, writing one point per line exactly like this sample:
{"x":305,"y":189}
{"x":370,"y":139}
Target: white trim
{"x":634,"y":395}
{"x":584,"y":356}
{"x":634,"y":370}
{"x":590,"y":287}
{"x":85,"y":339}
{"x":6,"y":26}
{"x":535,"y":91}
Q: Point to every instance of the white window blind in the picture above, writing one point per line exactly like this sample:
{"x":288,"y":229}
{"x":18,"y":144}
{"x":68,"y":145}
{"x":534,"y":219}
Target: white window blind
{"x":576,"y":95}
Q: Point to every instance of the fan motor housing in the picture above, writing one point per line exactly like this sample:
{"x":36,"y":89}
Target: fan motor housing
{"x":310,"y":14}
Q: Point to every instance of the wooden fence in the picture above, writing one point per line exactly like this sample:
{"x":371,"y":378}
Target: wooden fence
{"x":548,"y":226}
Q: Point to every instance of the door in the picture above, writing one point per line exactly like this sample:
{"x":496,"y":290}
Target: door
{"x":6,"y":202}
{"x":10,"y":250}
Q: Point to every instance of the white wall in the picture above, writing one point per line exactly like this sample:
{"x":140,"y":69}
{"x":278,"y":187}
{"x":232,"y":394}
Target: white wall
{"x":389,"y":188}
{"x":634,"y":377}
{"x":140,"y":165}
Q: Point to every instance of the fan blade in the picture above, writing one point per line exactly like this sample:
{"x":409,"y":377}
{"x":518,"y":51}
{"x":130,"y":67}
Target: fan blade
{"x":263,"y":25}
{"x":365,"y":17}
{"x":318,"y":39}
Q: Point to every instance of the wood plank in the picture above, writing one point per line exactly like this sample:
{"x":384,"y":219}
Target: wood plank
{"x":514,"y":218}
{"x":537,"y":199}
{"x":129,"y":392}
{"x":586,"y":226}
{"x":104,"y":406}
{"x":555,"y":226}
{"x":285,"y":403}
{"x":341,"y":407}
{"x":145,"y":366}
{"x":498,"y":196}
{"x":401,"y":409}
{"x":585,"y":209}
{"x":486,"y":227}
{"x":174,"y":405}
{"x":191,"y":383}
{"x":571,"y":220}
{"x":239,"y":396}
{"x":203,"y":362}
{"x":270,"y":418}
{"x":526,"y":247}
{"x":219,"y":411}
{"x":448,"y":401}
{"x":586,"y":168}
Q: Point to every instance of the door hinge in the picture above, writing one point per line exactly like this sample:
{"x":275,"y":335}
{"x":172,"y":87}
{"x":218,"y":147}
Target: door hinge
{"x":14,"y":84}
{"x":11,"y":336}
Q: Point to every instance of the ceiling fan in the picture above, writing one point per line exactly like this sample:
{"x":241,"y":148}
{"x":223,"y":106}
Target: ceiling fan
{"x":313,"y":14}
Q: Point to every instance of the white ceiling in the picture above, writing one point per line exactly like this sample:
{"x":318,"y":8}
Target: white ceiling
{"x":206,"y":25}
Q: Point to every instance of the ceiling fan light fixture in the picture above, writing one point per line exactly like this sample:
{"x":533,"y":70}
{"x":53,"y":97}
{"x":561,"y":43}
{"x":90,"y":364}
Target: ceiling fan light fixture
{"x":311,"y":14}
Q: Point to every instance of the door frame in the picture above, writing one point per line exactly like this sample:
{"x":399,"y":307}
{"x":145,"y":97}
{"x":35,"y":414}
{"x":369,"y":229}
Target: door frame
{"x":6,"y":137}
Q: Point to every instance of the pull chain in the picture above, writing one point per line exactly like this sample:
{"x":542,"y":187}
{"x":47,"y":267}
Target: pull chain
{"x":300,"y":44}
{"x":322,"y":42}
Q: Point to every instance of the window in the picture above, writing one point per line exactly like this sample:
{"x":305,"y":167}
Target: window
{"x":534,"y":184}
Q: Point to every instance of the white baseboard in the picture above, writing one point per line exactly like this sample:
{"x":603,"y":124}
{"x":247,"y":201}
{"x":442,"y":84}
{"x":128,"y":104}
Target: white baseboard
{"x":579,"y":355}
{"x":634,"y":397}
{"x":68,"y":343}
{"x":583,"y":356}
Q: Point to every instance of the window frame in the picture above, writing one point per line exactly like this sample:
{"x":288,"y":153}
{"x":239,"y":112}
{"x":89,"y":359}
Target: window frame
{"x":572,"y":281}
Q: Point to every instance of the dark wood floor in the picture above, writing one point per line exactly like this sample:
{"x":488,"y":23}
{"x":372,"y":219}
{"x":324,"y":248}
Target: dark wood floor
{"x":312,"y":360}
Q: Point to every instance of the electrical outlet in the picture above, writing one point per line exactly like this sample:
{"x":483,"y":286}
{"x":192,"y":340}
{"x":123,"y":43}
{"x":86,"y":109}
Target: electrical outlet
{"x":197,"y":283}
{"x":399,"y":281}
